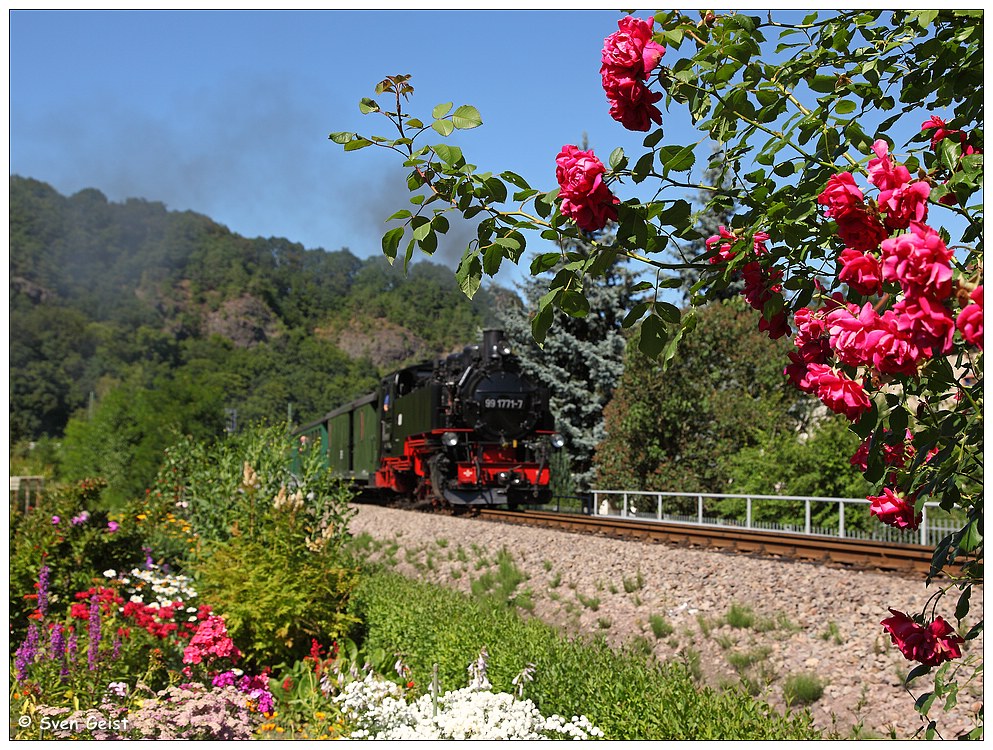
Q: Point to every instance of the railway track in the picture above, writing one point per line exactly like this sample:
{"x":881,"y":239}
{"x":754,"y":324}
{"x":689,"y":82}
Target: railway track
{"x":904,"y":558}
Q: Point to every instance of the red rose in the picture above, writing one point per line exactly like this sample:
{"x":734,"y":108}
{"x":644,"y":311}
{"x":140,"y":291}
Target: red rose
{"x":933,"y":645}
{"x":861,"y":230}
{"x":894,"y":510}
{"x":884,"y":173}
{"x":861,"y":271}
{"x":585,"y":197}
{"x":630,"y":52}
{"x":970,"y":320}
{"x":841,"y":195}
{"x":940,"y":131}
{"x":632,"y":103}
{"x":919,"y":262}
{"x":927,"y":322}
{"x":838,"y":392}
{"x":904,"y":204}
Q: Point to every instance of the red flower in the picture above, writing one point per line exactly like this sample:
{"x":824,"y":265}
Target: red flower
{"x":841,"y":195}
{"x":884,"y":173}
{"x":861,"y":271}
{"x":970,"y":319}
{"x":861,"y":230}
{"x":839,"y":392}
{"x":585,"y":196}
{"x":630,"y":52}
{"x":894,"y":510}
{"x":632,"y":103}
{"x":933,"y":645}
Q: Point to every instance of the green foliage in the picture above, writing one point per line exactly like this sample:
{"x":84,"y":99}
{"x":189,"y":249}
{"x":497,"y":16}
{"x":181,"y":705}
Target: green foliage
{"x":75,"y":553}
{"x":282,"y":532}
{"x":723,"y":392}
{"x":625,"y":694}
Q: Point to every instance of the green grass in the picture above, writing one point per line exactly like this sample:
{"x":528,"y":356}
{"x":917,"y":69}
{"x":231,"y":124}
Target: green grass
{"x":660,"y":626}
{"x":626,"y":692}
{"x":802,"y":689}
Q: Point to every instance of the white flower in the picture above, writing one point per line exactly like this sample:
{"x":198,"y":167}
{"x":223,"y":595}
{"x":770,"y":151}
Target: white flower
{"x":111,"y":573}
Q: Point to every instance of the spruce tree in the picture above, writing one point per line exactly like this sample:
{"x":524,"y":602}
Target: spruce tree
{"x":580,"y":363}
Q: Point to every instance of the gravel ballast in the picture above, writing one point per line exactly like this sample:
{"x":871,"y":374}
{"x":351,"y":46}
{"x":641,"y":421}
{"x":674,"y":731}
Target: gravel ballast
{"x":787,"y":618}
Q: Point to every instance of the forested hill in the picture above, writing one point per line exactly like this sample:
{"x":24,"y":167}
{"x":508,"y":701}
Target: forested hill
{"x":135,"y":305}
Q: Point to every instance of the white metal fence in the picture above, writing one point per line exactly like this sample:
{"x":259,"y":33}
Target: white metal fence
{"x":672,"y":507}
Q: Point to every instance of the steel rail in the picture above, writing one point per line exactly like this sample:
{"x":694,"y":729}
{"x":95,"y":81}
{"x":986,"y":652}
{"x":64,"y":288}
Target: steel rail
{"x":905,"y":558}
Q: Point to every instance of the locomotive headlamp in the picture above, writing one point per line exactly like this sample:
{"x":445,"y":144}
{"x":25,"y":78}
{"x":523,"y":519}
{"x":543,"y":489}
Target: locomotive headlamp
{"x":557,"y":440}
{"x":451,"y":439}
{"x":504,"y":348}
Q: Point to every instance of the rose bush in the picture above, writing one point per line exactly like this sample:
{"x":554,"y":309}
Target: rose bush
{"x":885,"y":297}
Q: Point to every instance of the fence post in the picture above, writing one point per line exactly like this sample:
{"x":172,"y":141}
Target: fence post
{"x":659,"y":515}
{"x":699,"y":509}
{"x":841,"y":519}
{"x":748,"y":512}
{"x":806,"y":516}
{"x":924,"y":533}
{"x":624,"y":512}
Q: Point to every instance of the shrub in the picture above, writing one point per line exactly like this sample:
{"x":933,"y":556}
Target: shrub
{"x":625,"y":693}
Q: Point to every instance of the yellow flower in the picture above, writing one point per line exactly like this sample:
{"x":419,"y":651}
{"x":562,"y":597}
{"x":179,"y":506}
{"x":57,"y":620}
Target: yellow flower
{"x":320,"y":715}
{"x":141,"y":516}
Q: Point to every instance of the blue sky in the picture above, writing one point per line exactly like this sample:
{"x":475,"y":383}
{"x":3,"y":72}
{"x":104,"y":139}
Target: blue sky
{"x":227,"y":113}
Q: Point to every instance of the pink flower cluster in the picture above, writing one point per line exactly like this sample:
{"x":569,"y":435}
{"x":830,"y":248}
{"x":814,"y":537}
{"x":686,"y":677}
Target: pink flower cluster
{"x":211,"y":641}
{"x":585,"y":196}
{"x":918,"y":327}
{"x":628,"y":56}
{"x":895,"y":509}
{"x":761,"y":285}
{"x":931,"y":645}
{"x":941,"y":132}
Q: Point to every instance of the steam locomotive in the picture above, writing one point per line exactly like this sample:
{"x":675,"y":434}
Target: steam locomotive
{"x":468,"y":430}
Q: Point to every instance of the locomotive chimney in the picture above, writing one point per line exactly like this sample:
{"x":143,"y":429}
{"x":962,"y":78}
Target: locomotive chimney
{"x":492,"y":340}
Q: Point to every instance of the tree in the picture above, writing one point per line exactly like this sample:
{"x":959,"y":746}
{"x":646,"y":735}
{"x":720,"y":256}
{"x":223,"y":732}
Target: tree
{"x":885,"y":292}
{"x":723,"y":391}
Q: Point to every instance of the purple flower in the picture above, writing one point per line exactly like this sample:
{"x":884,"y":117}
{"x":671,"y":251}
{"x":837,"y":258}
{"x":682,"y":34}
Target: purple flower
{"x":148,"y":557}
{"x":43,"y":577}
{"x":26,"y":652}
{"x":113,"y":526}
{"x":223,"y":679}
{"x":81,"y":518}
{"x":57,"y":650}
{"x":94,"y":632}
{"x":55,"y":520}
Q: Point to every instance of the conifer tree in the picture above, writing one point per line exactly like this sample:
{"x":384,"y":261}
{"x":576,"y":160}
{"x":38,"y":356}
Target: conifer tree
{"x":580,"y":363}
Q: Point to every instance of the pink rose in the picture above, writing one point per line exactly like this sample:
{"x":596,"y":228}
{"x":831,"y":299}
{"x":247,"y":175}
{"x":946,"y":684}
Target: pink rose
{"x":919,"y":262}
{"x":890,"y":347}
{"x":838,"y":392}
{"x":861,"y":271}
{"x":861,"y":230}
{"x":894,"y":510}
{"x":905,"y":204}
{"x":630,"y":52}
{"x":848,"y":328}
{"x":585,"y":197}
{"x":724,"y":252}
{"x":970,"y":320}
{"x":933,"y":645}
{"x":632,"y":103}
{"x":841,"y":195}
{"x":928,"y":324}
{"x":810,"y":326}
{"x":883,"y":171}
{"x":940,"y":131}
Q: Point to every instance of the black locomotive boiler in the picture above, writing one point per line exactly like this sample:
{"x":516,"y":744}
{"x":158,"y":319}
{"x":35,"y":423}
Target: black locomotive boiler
{"x":470,"y":429}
